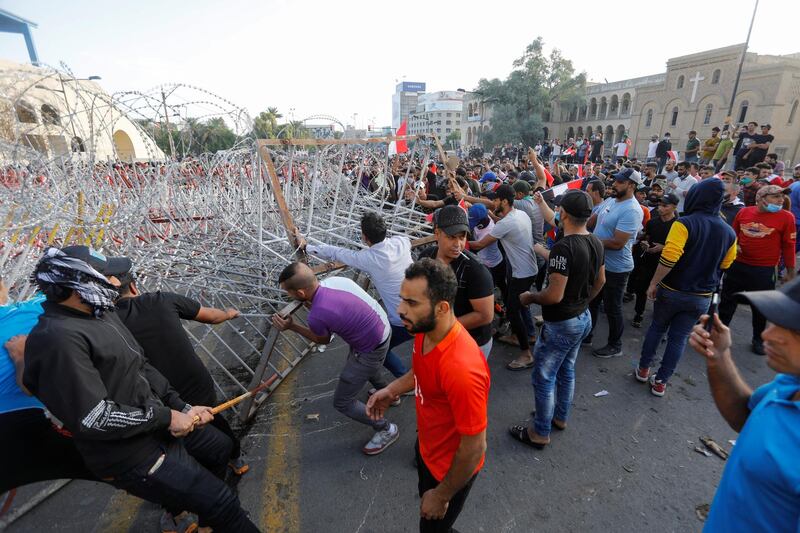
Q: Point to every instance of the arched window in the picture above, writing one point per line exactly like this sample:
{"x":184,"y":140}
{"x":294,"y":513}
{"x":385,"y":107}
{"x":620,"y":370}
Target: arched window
{"x":707,"y":117}
{"x":77,"y":145}
{"x":715,"y":77}
{"x":50,"y":115}
{"x":793,"y":112}
{"x":674,"y":120}
{"x":25,"y":112}
{"x":743,"y":110}
{"x":680,"y":82}
{"x":649,"y":121}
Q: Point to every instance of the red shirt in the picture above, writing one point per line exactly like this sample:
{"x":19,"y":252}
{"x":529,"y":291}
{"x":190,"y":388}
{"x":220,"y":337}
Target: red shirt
{"x":645,"y":216}
{"x":452,"y":395}
{"x":763,"y":237}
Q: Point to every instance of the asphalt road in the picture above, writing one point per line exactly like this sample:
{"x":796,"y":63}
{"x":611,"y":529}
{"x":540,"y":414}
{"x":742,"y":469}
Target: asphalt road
{"x":625,"y":463}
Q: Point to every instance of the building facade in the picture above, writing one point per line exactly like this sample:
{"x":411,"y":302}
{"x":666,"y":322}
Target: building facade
{"x":404,"y":100}
{"x":693,"y":94}
{"x":437,"y":112}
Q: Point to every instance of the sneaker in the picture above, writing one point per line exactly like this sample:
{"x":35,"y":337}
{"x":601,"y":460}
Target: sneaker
{"x":758,"y":347}
{"x":637,"y":321}
{"x":239,"y":466}
{"x":657,"y":387}
{"x":381,"y":440}
{"x":607,"y":352}
{"x":642,"y":374}
{"x":628,"y":297}
{"x":183,"y":523}
{"x":395,"y":403}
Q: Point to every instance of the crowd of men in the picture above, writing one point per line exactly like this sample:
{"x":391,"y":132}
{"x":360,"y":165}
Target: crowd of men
{"x":106,"y":382}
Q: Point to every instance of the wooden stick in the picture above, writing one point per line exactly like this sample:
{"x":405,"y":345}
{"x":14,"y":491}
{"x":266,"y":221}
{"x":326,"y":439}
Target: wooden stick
{"x":242,"y":397}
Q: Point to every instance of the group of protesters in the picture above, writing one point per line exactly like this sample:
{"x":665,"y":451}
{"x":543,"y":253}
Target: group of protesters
{"x":527,"y":252}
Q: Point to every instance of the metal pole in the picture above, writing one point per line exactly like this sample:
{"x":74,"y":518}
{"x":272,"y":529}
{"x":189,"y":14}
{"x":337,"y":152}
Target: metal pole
{"x":739,"y":71}
{"x":166,"y":120}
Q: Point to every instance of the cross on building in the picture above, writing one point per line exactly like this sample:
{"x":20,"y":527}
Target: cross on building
{"x":697,"y":79}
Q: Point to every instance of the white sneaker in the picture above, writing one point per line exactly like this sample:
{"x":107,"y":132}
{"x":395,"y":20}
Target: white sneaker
{"x":381,"y":440}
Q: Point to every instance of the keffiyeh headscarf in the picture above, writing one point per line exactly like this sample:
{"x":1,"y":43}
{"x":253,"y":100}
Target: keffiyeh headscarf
{"x":58,"y":268}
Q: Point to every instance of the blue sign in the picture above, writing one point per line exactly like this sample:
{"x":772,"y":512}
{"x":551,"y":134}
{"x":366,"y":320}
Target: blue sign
{"x":412,"y":87}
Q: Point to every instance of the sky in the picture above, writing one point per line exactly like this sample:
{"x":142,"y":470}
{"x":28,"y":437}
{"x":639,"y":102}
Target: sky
{"x":344,"y":58}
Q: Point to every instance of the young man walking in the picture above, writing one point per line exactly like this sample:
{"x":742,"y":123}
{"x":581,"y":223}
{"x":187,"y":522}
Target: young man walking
{"x":451,"y":381}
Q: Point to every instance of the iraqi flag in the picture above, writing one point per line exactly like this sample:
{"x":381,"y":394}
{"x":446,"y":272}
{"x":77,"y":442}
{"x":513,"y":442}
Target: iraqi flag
{"x":558,"y":190}
{"x":672,"y":154}
{"x":628,"y":143}
{"x":399,"y":147}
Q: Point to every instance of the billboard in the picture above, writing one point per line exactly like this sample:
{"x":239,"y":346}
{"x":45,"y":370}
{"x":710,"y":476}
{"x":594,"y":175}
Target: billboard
{"x":412,"y":87}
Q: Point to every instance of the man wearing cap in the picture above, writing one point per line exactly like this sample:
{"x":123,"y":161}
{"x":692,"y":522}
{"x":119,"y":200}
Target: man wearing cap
{"x":710,"y":146}
{"x":474,"y":304}
{"x":514,"y":231}
{"x":699,"y":246}
{"x":764,"y":231}
{"x":760,"y":486}
{"x":652,"y":243}
{"x":481,"y":224}
{"x":89,"y":371}
{"x":616,"y":224}
{"x":575,"y":275}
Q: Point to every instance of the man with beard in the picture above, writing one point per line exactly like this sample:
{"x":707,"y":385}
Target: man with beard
{"x":680,"y":186}
{"x":732,"y":204}
{"x":337,"y":305}
{"x":451,"y":381}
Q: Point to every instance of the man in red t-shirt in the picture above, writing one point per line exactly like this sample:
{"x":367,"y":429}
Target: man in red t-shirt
{"x":764,"y":232}
{"x":450,"y":379}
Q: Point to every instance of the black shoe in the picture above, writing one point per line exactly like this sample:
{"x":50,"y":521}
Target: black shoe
{"x":587,"y":341}
{"x":607,"y":352}
{"x":758,"y":347}
{"x":637,"y":321}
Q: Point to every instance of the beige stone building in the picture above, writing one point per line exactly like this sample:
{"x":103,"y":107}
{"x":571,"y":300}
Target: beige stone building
{"x":693,"y":94}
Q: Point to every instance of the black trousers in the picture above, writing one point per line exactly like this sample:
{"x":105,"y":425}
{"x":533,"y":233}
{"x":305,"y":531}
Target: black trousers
{"x":499,"y":277}
{"x":644,"y":276}
{"x":32,"y":450}
{"x":209,"y":398}
{"x":611,"y":296}
{"x":514,"y":308}
{"x":182,"y":483}
{"x":741,"y":277}
{"x":427,"y":482}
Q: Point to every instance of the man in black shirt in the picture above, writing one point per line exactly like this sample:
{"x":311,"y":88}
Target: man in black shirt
{"x":596,"y":155}
{"x":127,"y":422}
{"x":474,"y":306}
{"x":575,"y":275}
{"x":655,"y":236}
{"x":154,"y":318}
{"x":662,"y":151}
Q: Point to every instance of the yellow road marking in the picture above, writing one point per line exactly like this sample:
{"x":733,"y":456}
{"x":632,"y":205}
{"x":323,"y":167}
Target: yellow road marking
{"x":282,"y":475}
{"x":120,"y":512}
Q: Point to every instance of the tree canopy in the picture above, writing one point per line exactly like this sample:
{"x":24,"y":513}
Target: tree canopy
{"x":522,"y":102}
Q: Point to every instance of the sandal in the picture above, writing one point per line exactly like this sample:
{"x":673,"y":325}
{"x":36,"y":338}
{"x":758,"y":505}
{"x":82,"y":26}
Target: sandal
{"x":520,"y":433}
{"x":516,"y":365}
{"x":554,"y":423}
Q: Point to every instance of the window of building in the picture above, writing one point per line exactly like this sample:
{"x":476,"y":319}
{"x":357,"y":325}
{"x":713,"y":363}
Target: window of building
{"x":449,"y":114}
{"x":50,"y":115}
{"x":458,"y":115}
{"x":793,"y":112}
{"x":448,"y":122}
{"x":674,"y":120}
{"x":680,"y":83}
{"x":707,"y":117}
{"x":458,"y":122}
{"x":743,"y":110}
{"x":25,"y":113}
{"x":448,"y":130}
{"x":715,"y":77}
{"x":649,"y":121}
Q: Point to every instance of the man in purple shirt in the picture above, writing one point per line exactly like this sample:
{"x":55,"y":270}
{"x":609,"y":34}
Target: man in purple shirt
{"x":338,"y":305}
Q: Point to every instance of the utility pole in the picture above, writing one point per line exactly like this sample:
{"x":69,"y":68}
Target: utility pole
{"x":729,"y":119}
{"x":166,"y":120}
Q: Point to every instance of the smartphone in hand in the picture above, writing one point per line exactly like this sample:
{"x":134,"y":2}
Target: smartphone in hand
{"x":712,"y":310}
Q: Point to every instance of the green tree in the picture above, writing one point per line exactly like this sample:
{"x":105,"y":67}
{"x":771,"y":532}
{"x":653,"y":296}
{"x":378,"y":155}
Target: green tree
{"x":265,"y":125}
{"x":522,"y":102}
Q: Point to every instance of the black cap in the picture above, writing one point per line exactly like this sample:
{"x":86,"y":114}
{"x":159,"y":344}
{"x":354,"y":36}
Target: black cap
{"x":781,"y":307}
{"x":506,"y":192}
{"x":670,"y":198}
{"x":577,"y":203}
{"x":108,"y":266}
{"x":451,"y":219}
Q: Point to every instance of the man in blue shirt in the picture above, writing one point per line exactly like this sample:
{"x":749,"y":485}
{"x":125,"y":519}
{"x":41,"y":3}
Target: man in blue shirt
{"x":616,"y":223}
{"x":794,"y":198}
{"x":760,"y":487}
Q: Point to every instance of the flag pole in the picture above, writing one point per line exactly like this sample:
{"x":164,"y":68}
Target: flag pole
{"x":739,"y":72}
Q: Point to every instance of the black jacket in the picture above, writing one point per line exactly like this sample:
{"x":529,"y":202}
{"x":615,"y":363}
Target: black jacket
{"x":91,"y":374}
{"x":663,"y":147}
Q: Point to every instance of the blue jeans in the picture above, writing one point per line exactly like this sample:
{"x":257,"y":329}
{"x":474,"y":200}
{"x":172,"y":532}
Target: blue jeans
{"x":393,"y":363}
{"x":554,"y":364}
{"x":677,"y":312}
